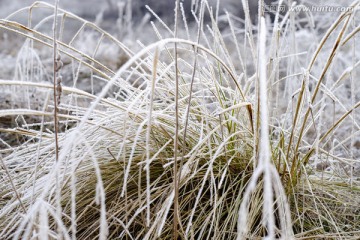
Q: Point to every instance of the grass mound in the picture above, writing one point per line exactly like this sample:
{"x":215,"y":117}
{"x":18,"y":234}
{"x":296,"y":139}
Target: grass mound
{"x":192,"y":139}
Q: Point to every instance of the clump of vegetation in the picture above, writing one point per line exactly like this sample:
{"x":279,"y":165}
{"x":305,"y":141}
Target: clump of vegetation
{"x":231,"y":134}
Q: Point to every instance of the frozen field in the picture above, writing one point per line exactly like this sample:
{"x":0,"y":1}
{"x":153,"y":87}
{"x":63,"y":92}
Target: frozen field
{"x":138,"y":120}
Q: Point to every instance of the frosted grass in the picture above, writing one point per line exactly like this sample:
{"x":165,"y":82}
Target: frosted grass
{"x":247,"y":149}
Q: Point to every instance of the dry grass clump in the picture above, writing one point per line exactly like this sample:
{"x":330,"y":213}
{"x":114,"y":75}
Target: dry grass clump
{"x":182,"y":135}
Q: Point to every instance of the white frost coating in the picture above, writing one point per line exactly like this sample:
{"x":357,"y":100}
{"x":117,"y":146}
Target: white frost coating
{"x":147,"y":166}
{"x":129,"y":63}
{"x":225,"y":172}
{"x":100,"y":195}
{"x":184,"y":20}
{"x":164,"y":211}
{"x":44,"y":223}
{"x":271,"y":179}
{"x":73,"y":202}
{"x":243,"y":211}
{"x":127,"y":172}
{"x":209,"y":169}
{"x":264,"y":155}
{"x":168,"y":203}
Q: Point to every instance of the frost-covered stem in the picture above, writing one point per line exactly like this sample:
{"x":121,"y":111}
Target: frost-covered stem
{"x":56,"y":123}
{"x":264,"y":151}
{"x":12,"y":184}
{"x":353,"y":102}
{"x":200,"y":23}
{"x":147,"y":166}
{"x":176,"y":183}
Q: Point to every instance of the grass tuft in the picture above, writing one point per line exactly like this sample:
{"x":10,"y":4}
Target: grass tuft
{"x":244,"y":132}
